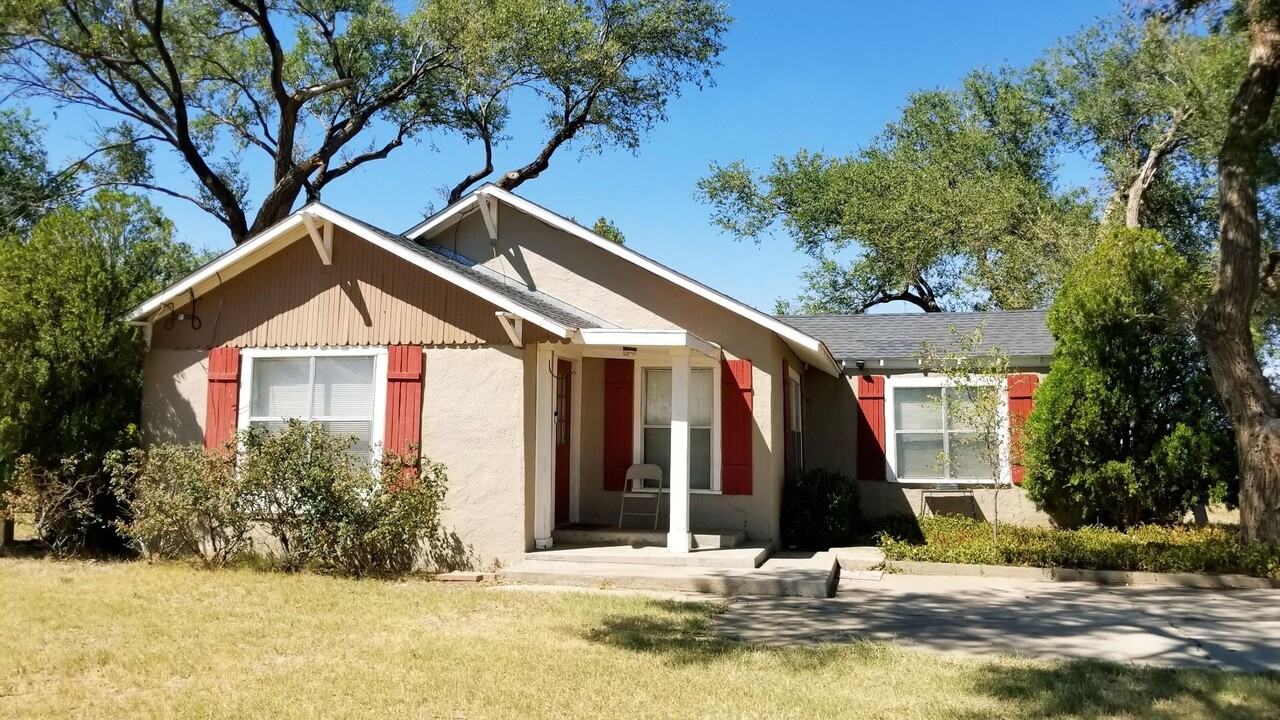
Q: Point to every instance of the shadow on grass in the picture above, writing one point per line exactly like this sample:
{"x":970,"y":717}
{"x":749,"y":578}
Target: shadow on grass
{"x":1088,"y":689}
{"x":681,"y":633}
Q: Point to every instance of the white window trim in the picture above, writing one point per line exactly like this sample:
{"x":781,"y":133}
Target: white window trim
{"x":1004,"y":473}
{"x":378,"y":430}
{"x":637,"y":408}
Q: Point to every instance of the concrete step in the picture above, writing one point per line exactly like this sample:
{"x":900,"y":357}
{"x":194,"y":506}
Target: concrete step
{"x":808,"y":576}
{"x":628,"y":536}
{"x":747,"y":556}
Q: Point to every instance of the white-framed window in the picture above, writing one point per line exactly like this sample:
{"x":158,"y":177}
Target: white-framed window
{"x":344,"y":389}
{"x":653,"y":423}
{"x":927,"y":442}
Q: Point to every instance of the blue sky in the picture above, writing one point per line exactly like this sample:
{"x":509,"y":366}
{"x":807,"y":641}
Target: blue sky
{"x":821,"y":74}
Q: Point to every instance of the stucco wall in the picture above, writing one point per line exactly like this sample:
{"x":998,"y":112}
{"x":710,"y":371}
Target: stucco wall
{"x":175,"y":387}
{"x":473,"y":422}
{"x":880,"y":498}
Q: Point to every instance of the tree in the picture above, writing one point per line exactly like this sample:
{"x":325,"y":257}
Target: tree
{"x":320,"y":88}
{"x":974,"y":399}
{"x":1245,"y":273}
{"x":607,"y":230}
{"x":953,"y":206}
{"x":26,"y":185}
{"x":1143,"y":100}
{"x":71,"y":373}
{"x":1126,"y":428}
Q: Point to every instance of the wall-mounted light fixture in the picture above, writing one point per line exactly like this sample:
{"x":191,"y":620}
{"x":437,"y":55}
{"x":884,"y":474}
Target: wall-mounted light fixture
{"x":629,"y":351}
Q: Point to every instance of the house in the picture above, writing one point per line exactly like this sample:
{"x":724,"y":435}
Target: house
{"x":538,"y":362}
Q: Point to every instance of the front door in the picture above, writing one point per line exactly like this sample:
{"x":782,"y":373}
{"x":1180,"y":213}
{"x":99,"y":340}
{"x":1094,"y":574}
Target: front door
{"x":564,"y":411}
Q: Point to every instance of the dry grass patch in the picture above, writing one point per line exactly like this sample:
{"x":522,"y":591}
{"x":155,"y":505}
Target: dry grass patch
{"x":133,"y":640}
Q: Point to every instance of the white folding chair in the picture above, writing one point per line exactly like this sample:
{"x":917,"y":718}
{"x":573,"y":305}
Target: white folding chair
{"x":638,"y":487}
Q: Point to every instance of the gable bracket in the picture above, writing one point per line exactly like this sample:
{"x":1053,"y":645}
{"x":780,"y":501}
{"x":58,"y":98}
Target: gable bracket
{"x":323,"y":242}
{"x":489,"y":209}
{"x":514,"y":325}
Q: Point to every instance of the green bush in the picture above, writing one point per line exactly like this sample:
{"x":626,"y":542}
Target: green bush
{"x":820,"y":509}
{"x":182,"y":500}
{"x":1146,"y":548}
{"x":1127,"y":427}
{"x":322,"y":506}
{"x":325,"y":507}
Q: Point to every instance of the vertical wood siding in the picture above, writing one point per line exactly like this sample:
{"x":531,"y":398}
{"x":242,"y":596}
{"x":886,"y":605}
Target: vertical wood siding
{"x":871,"y":459}
{"x":366,"y":297}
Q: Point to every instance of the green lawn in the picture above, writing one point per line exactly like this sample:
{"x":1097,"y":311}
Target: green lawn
{"x":132,"y":640}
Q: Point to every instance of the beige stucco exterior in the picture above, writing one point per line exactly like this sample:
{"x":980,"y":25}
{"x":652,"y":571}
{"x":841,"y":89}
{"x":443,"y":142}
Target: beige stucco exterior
{"x":473,"y":422}
{"x":175,"y":386}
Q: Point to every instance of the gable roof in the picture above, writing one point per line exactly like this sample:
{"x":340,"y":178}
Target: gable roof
{"x":807,"y":347}
{"x":536,"y":307}
{"x":899,"y":336}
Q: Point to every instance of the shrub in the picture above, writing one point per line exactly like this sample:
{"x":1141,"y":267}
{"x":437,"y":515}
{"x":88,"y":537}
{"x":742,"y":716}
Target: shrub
{"x":66,"y":502}
{"x":325,"y":507}
{"x":820,"y":509}
{"x":1146,"y":548}
{"x":1127,"y":428}
{"x":182,"y":500}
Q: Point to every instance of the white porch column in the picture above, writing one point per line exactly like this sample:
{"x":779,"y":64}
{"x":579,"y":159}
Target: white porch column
{"x":544,"y":449}
{"x":678,"y":538}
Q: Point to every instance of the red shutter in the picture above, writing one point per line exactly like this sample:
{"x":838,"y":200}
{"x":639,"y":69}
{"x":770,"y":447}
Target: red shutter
{"x":404,"y":398}
{"x":619,"y":421}
{"x":223,"y":404}
{"x":871,"y":460}
{"x":788,"y":438}
{"x":736,"y":427}
{"x":1022,"y":388}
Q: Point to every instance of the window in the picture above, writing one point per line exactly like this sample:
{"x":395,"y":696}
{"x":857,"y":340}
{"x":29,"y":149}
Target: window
{"x":338,"y":390}
{"x":656,"y":423}
{"x":796,"y":419}
{"x":930,"y":442}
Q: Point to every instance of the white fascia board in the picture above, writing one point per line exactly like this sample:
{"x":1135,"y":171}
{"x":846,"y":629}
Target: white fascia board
{"x":810,"y":349}
{"x":445,"y":273}
{"x":445,"y":218}
{"x":648,"y":339}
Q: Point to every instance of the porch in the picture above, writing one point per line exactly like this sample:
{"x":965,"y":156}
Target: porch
{"x":611,"y":399}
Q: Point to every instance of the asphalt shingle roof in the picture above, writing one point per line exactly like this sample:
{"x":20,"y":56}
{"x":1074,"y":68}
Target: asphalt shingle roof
{"x":552,"y":308}
{"x":901,"y":335}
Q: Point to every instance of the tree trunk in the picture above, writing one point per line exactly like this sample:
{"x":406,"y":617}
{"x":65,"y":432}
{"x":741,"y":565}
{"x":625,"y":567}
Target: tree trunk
{"x":1224,"y":328}
{"x":1147,"y":173}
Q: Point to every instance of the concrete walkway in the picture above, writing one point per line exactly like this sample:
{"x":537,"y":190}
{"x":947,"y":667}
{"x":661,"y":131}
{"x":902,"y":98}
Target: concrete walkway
{"x":981,"y":617}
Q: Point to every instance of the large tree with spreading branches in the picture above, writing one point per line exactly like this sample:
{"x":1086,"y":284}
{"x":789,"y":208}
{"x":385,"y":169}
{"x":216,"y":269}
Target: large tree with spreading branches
{"x":323,"y":87}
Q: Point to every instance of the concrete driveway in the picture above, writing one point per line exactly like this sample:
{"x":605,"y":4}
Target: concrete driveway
{"x":977,"y":617}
